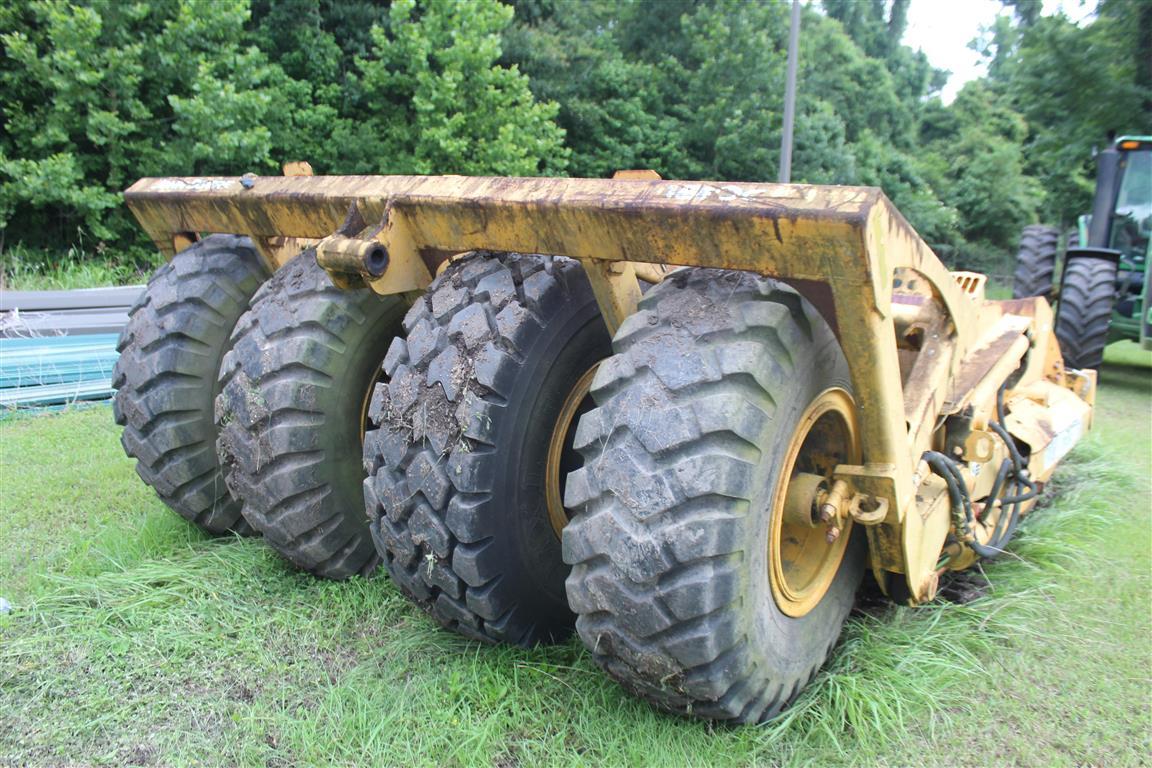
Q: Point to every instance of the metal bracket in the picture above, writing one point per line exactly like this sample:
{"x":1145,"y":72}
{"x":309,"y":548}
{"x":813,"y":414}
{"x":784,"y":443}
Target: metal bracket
{"x":616,"y":288}
{"x":384,"y":257}
{"x":867,"y":509}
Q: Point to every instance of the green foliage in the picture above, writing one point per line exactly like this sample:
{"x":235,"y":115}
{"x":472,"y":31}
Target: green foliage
{"x":871,"y":24}
{"x":612,"y":106}
{"x":96,"y":93}
{"x":694,"y":90}
{"x":440,"y":105}
{"x":1074,"y":86}
{"x":25,"y":269}
{"x":67,"y":85}
{"x":974,"y":160}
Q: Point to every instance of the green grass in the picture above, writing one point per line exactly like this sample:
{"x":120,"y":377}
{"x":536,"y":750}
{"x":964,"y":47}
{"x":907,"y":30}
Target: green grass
{"x":135,"y":639}
{"x":23,"y":269}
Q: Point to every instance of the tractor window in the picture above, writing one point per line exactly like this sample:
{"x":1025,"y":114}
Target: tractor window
{"x":1132,"y":221}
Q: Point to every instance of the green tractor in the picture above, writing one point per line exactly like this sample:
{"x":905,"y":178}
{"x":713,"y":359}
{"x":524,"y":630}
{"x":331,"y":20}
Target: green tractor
{"x":1104,"y":286}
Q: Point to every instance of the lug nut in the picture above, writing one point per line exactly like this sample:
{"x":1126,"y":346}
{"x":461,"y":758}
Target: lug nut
{"x":833,"y":534}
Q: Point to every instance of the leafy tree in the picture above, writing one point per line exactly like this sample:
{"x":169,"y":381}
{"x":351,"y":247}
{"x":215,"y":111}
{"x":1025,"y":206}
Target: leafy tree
{"x":231,"y":113}
{"x":610,"y":106}
{"x":730,"y":80}
{"x":1074,"y":86}
{"x":859,"y":88}
{"x":96,"y":94}
{"x":1027,"y":11}
{"x":875,"y":25}
{"x":71,"y":106}
{"x":985,"y":180}
{"x":439,"y":102}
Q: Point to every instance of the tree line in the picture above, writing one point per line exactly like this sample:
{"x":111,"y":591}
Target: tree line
{"x":97,"y":93}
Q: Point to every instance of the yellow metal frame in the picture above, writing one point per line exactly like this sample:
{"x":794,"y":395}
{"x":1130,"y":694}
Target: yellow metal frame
{"x":923,"y":344}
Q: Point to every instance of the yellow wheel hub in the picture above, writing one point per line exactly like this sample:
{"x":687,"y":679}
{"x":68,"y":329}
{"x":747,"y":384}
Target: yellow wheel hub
{"x":557,"y":445}
{"x":803,"y":557}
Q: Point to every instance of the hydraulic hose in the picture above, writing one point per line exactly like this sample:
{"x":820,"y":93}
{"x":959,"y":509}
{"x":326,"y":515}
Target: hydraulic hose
{"x":1012,"y":476}
{"x":962,"y":517}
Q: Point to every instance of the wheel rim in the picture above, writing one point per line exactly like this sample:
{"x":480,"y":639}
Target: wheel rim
{"x":561,"y":454}
{"x":802,"y":562}
{"x":366,"y":404}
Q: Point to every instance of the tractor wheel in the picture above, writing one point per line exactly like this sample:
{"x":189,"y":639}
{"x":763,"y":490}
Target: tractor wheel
{"x":292,"y":413}
{"x":474,"y":443}
{"x":1084,"y":312}
{"x":1035,"y":262}
{"x":699,"y":580}
{"x":165,"y":377}
{"x":1071,"y":239}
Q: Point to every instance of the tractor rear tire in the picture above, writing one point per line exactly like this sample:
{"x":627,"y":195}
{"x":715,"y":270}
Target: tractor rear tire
{"x":1084,"y":312}
{"x":292,"y":411}
{"x":165,"y":377}
{"x":679,"y":529}
{"x":459,"y":467}
{"x":1035,"y":262}
{"x":1071,"y":239}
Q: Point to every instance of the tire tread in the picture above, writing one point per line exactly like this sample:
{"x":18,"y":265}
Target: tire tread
{"x":176,"y":337}
{"x":281,"y":388}
{"x":661,"y":517}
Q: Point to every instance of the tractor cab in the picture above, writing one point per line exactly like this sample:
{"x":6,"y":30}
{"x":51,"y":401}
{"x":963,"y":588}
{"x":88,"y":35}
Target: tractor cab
{"x":1119,"y":231}
{"x":1130,"y":230}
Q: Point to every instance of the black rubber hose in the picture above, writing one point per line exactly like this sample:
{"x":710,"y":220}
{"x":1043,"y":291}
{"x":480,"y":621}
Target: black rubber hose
{"x":1019,"y":480}
{"x":1019,"y":467}
{"x":961,"y":503}
{"x":1011,"y":475}
{"x":1001,"y":476}
{"x":1014,"y":452}
{"x":1001,"y":524}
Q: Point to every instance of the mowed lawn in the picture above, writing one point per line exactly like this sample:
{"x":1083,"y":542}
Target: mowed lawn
{"x":134,"y":639}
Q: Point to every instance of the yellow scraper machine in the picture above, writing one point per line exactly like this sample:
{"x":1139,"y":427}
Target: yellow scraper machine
{"x":684,"y":418}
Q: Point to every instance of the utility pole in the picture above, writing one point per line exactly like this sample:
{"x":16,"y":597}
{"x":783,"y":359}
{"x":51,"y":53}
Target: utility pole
{"x":790,"y":96}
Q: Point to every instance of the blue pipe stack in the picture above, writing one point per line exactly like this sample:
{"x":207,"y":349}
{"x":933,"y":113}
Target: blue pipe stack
{"x":59,"y":347}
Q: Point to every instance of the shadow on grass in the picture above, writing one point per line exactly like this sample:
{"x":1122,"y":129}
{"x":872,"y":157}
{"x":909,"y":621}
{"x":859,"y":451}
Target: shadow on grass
{"x":1134,"y":379}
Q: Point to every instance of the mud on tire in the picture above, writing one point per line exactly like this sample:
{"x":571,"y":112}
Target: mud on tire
{"x":292,"y":410}
{"x":456,"y":469}
{"x":165,"y":377}
{"x":669,"y":544}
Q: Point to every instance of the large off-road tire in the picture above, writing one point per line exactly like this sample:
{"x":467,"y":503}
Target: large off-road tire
{"x":292,"y":413}
{"x":165,"y":377}
{"x":460,"y":466}
{"x":1071,"y":239}
{"x":1084,"y":312}
{"x":679,"y":547}
{"x":1035,"y":262}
